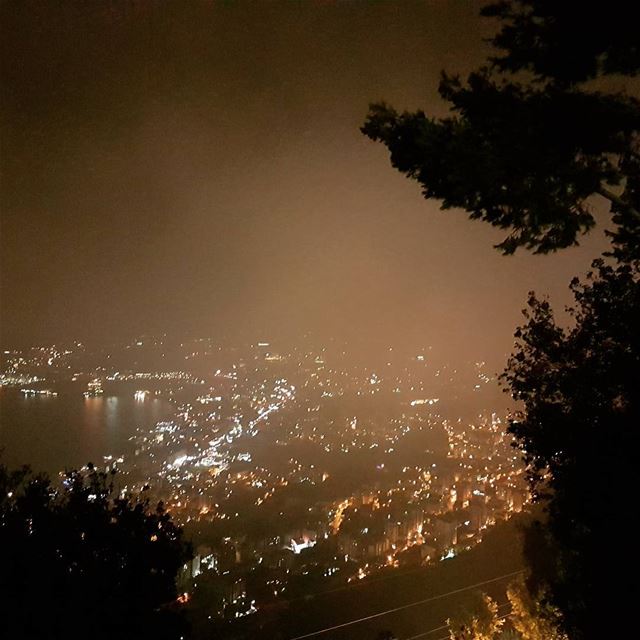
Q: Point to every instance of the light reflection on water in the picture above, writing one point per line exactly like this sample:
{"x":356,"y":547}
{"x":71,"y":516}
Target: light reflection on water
{"x":51,"y":433}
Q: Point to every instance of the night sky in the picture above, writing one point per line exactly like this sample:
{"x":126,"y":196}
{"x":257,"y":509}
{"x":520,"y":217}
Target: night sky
{"x":197,"y":168}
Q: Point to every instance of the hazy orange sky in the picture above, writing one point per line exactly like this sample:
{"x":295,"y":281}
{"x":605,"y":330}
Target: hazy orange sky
{"x":197,"y":168}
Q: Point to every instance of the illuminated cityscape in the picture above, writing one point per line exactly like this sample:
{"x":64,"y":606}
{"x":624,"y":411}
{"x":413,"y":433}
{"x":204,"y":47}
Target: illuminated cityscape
{"x":295,"y":471}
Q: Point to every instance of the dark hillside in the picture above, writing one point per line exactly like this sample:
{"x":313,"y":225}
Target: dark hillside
{"x":498,"y":555}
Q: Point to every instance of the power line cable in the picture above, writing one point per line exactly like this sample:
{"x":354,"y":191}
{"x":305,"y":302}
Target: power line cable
{"x":446,"y":626}
{"x":404,"y":606}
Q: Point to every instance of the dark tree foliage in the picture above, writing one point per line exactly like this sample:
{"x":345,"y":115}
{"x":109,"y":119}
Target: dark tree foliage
{"x":82,"y":561}
{"x":532,"y":136}
{"x":528,"y":142}
{"x":581,"y":389}
{"x":567,"y":42}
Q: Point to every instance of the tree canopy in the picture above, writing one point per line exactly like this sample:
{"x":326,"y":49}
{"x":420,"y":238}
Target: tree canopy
{"x":80,"y":559}
{"x":484,"y":624}
{"x":522,"y":617}
{"x":581,"y":389}
{"x":531,"y":138}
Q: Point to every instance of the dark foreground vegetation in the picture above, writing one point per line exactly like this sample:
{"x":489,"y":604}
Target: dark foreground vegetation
{"x":80,"y":560}
{"x":535,"y":141}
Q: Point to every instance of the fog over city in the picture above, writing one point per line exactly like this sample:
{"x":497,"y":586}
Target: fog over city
{"x":198,"y":169}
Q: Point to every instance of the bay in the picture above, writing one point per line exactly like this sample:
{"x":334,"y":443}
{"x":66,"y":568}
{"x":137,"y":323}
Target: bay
{"x":51,"y":433}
